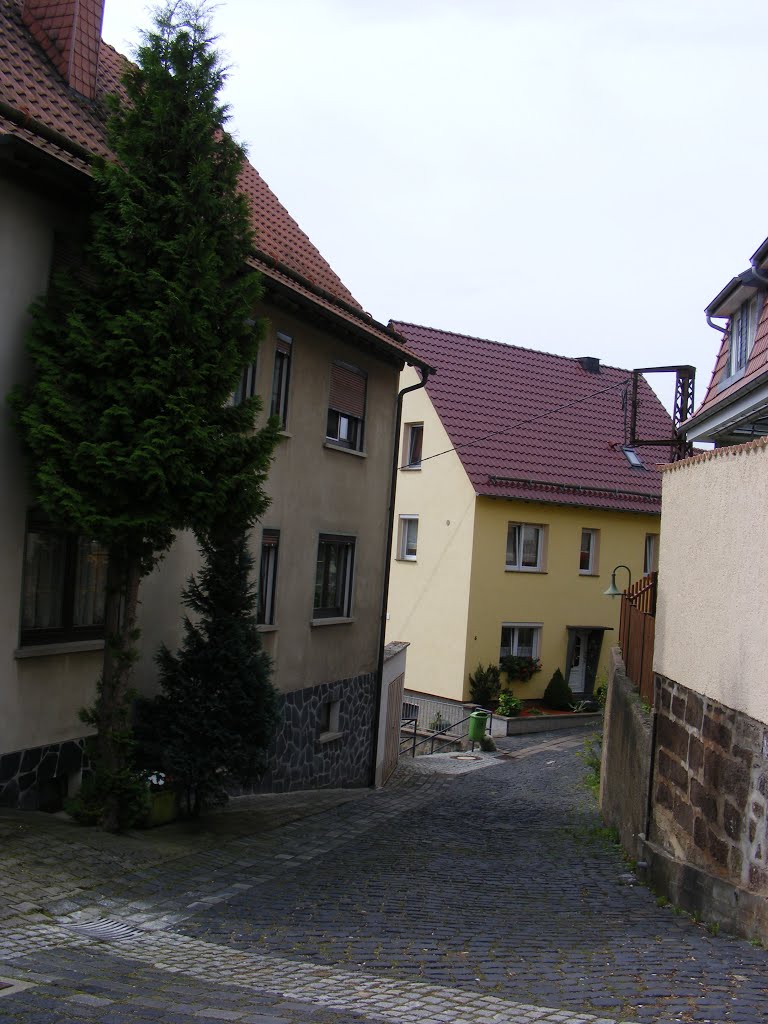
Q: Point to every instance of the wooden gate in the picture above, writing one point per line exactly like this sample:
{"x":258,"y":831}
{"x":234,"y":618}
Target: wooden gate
{"x":637,"y":628}
{"x":392,"y":733}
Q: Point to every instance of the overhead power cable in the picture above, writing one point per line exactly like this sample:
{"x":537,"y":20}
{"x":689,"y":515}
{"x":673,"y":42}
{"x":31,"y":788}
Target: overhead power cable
{"x":525,"y":422}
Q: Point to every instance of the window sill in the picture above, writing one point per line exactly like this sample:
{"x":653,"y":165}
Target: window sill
{"x":264,"y":627}
{"x":286,"y":433}
{"x":589,"y":573}
{"x":329,"y":737}
{"x":413,"y":559}
{"x":410,"y":469}
{"x":341,"y":621}
{"x":539,"y":572}
{"x":342,"y":448}
{"x":50,"y":650}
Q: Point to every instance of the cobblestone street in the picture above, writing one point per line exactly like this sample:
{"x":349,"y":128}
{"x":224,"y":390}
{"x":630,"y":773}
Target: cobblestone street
{"x":466,"y":892}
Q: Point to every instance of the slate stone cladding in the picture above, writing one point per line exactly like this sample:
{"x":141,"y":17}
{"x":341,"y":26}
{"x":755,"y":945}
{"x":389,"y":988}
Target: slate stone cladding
{"x":299,"y":760}
{"x":711,"y":786}
{"x":35,"y":779}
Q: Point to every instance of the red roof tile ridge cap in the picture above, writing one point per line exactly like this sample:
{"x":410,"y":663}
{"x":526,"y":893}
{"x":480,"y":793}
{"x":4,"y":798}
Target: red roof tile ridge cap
{"x":757,"y":444}
{"x":587,"y":489}
{"x":504,"y":344}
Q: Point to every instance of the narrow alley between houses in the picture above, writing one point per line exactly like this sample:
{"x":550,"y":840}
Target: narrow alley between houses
{"x":464,"y":892}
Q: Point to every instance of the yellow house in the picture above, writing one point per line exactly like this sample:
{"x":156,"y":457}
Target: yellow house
{"x":517,"y":496}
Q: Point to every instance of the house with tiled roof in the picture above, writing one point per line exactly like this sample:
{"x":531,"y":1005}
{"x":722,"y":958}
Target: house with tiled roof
{"x":518,"y":495}
{"x":326,"y":368}
{"x":735,"y":406}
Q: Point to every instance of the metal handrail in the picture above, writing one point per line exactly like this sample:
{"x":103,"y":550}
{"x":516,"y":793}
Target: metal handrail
{"x":440,"y":732}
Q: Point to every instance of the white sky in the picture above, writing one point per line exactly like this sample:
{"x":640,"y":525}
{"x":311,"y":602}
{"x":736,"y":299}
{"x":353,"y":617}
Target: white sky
{"x":577,"y":176}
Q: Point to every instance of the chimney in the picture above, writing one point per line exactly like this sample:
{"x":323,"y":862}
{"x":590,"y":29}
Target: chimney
{"x":590,"y":363}
{"x":69,"y":31}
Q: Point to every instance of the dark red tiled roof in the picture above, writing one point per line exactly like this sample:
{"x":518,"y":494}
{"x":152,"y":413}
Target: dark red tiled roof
{"x":37,"y":105}
{"x":537,"y":426}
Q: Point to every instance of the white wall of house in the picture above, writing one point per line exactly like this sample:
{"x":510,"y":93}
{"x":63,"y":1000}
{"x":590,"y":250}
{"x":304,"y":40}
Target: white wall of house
{"x":712,"y":613}
{"x":429,"y":595}
{"x":40,"y":694}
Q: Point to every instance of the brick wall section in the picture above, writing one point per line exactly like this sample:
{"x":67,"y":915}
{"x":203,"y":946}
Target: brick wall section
{"x":710,"y":787}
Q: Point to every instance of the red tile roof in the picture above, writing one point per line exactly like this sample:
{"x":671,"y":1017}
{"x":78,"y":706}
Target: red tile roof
{"x":37,"y":106}
{"x":540,"y":427}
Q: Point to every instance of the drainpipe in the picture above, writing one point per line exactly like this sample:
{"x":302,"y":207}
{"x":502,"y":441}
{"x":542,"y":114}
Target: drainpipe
{"x":715,"y":327}
{"x":425,"y":371}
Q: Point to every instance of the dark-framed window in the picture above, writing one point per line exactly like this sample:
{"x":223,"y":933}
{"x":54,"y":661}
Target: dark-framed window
{"x":63,"y":587}
{"x":333,"y":576}
{"x":270,"y":543}
{"x":247,"y":386}
{"x":281,"y":378}
{"x":346,"y":406}
{"x":414,"y":441}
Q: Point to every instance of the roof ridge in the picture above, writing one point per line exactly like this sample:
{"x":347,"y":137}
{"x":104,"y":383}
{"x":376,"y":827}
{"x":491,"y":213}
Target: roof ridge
{"x":505,"y":344}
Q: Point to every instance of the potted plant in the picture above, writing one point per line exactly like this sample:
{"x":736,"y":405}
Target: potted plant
{"x":519,"y":667}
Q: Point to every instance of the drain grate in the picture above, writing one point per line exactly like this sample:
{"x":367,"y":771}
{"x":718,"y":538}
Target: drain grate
{"x":106,"y":929}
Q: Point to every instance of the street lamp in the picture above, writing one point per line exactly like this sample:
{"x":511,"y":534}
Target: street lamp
{"x":613,"y":590}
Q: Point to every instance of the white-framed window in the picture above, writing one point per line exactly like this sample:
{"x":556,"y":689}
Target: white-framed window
{"x":651,"y":553}
{"x":246,"y":388}
{"x":414,"y":438}
{"x":741,"y":331}
{"x":281,"y":378}
{"x":525,"y":547}
{"x":520,"y":639}
{"x":346,"y":406}
{"x":270,"y":544}
{"x":408,"y":539}
{"x":333,"y":576}
{"x":588,"y":552}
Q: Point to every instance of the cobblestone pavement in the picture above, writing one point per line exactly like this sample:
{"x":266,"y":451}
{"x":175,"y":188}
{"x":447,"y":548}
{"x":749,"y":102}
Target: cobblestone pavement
{"x":466,"y":892}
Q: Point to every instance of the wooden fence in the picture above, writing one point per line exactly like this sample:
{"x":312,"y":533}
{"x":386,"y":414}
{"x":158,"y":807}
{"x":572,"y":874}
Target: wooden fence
{"x":637,"y":627}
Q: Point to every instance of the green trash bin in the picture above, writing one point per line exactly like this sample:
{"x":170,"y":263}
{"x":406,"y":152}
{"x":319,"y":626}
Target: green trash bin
{"x":477,"y":723}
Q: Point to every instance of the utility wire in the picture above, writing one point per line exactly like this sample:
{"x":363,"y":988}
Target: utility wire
{"x":525,"y":422}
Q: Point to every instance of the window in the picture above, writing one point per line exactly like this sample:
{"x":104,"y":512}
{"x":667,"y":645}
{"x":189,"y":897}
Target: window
{"x":333,"y":577}
{"x":588,"y":552}
{"x":525,"y":547}
{"x":346,"y":406}
{"x":278,"y":405}
{"x":630,"y":454}
{"x":328,"y":719}
{"x":742,"y":328}
{"x":651,"y":554}
{"x":414,"y":435}
{"x":270,"y":541}
{"x":521,"y":639}
{"x":247,"y":386}
{"x":63,"y":588}
{"x":409,"y":533}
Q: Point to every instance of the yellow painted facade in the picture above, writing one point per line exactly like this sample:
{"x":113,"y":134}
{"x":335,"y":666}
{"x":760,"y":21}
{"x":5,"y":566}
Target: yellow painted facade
{"x":450,"y":601}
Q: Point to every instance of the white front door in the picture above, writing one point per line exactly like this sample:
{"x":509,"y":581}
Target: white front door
{"x":578,"y":668}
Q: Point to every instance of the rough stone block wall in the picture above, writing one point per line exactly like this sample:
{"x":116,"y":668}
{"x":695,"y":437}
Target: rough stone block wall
{"x":298,"y":759}
{"x":626,"y":758}
{"x":710,"y":787}
{"x":36,"y":779}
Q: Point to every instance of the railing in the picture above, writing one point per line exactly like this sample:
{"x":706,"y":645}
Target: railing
{"x":433,"y":714}
{"x":452,"y":732}
{"x":637,"y":628}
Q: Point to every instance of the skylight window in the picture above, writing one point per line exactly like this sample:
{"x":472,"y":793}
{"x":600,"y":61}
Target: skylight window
{"x":632,"y":457}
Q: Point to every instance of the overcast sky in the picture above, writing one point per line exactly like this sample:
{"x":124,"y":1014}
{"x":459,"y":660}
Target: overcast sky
{"x":577,"y":176}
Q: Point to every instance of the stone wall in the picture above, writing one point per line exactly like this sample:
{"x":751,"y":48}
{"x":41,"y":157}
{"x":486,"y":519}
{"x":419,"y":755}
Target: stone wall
{"x":711,"y":785}
{"x":38,"y":779}
{"x":626,"y":758}
{"x":303,"y":758}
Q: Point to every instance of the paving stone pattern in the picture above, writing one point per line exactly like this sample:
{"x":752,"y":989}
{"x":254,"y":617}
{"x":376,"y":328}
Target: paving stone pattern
{"x":465,"y":892}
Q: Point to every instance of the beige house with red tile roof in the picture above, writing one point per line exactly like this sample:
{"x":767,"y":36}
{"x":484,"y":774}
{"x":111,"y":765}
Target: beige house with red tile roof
{"x":517,"y":497}
{"x":326,"y":368}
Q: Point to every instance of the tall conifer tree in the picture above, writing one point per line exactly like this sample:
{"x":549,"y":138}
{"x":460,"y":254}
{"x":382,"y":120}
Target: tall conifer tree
{"x":128,"y":422}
